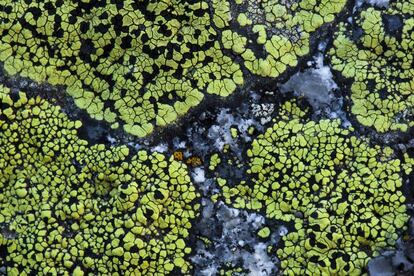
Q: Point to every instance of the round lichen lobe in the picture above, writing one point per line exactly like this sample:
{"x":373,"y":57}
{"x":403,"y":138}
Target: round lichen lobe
{"x":68,"y":207}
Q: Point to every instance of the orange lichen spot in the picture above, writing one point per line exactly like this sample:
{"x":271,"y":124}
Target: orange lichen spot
{"x":194,"y":161}
{"x":178,"y":155}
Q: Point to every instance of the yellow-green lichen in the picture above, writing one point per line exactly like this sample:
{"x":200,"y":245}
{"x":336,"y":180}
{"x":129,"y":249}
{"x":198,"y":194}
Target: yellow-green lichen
{"x":68,"y":207}
{"x":231,"y":270}
{"x":214,"y":161}
{"x":280,"y":29}
{"x":342,"y":195}
{"x":377,"y":55}
{"x":408,"y":164}
{"x":143,"y":65}
{"x":138,"y":64}
{"x":264,"y":232}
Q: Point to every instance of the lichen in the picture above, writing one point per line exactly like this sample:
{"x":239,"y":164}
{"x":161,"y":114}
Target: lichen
{"x":143,"y":65}
{"x":232,"y":271}
{"x":69,"y":207}
{"x":408,"y":163}
{"x":341,"y":194}
{"x":332,"y":199}
{"x":376,"y":53}
{"x":136,"y":64}
{"x":271,"y":35}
